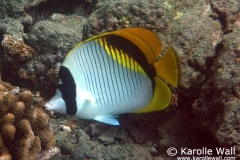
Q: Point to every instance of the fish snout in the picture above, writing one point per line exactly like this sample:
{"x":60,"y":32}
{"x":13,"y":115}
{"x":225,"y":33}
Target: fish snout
{"x":48,"y":106}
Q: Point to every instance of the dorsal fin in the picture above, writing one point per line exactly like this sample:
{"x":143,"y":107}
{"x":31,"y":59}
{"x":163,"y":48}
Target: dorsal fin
{"x":169,"y":67}
{"x":146,"y":40}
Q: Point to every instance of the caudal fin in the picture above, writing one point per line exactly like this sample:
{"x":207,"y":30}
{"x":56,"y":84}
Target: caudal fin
{"x":169,"y":68}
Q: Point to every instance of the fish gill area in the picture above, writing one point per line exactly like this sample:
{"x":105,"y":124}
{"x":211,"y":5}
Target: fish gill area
{"x":36,"y":35}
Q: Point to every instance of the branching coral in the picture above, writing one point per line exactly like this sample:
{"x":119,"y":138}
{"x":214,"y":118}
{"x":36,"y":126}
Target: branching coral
{"x":24,"y":126}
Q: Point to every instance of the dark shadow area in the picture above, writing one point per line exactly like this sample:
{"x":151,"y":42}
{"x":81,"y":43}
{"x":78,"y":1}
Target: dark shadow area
{"x":44,"y":10}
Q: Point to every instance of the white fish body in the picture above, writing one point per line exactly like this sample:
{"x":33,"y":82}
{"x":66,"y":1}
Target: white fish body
{"x":105,"y":81}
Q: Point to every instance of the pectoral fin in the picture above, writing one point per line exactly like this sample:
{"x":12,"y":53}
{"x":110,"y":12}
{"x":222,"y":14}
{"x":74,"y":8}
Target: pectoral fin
{"x":109,"y":119}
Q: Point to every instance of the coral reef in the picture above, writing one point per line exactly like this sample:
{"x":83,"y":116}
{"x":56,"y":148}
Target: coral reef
{"x":205,"y":112}
{"x":17,"y":50}
{"x":24,"y":125}
{"x":25,"y":65}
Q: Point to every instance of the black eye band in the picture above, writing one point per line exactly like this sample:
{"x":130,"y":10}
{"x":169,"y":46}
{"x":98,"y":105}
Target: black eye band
{"x":68,"y":90}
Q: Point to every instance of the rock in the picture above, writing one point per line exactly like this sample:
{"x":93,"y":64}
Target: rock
{"x":96,"y":129}
{"x":106,"y":139}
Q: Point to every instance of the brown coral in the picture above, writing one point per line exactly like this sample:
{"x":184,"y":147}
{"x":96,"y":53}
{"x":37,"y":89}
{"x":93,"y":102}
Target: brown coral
{"x":17,"y":49}
{"x":7,"y":101}
{"x":24,"y":129}
{"x":2,"y":88}
{"x":18,"y":110}
{"x":8,"y":132}
{"x":36,"y":147}
{"x":40,"y":118}
{"x":24,"y":125}
{"x":1,"y":101}
{"x":8,"y":119}
{"x":25,"y":138}
{"x":6,"y":157}
{"x":46,"y":137}
{"x":3,"y":150}
{"x":27,"y":97}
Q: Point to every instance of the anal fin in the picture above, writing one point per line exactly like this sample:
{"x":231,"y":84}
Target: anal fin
{"x":161,"y":97}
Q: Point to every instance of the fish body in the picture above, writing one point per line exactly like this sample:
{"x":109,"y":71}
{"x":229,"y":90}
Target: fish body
{"x":114,"y":73}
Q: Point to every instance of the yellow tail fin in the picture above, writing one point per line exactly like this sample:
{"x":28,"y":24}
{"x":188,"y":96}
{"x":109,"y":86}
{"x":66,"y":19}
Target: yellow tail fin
{"x":161,"y":97}
{"x":169,"y":68}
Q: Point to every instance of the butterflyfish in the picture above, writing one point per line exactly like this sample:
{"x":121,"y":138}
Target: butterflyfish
{"x":114,"y":73}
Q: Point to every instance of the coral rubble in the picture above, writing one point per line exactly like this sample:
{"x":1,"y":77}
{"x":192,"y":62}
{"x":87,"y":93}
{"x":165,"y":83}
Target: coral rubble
{"x":24,"y":125}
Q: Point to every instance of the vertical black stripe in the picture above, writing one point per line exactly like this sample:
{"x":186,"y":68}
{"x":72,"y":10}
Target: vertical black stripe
{"x":68,"y":90}
{"x":87,"y":69}
{"x":124,"y":70}
{"x":90,"y":66}
{"x":128,"y":69}
{"x":131,"y":73}
{"x":137,"y":75}
{"x":83,"y":59}
{"x":110,"y":58}
{"x":94,"y":71}
{"x":115,"y":67}
{"x":128,"y":73}
{"x":107,"y":75}
{"x":79,"y":61}
{"x":90,"y":54}
{"x":118,"y":68}
{"x":98,"y":61}
{"x":103,"y":68}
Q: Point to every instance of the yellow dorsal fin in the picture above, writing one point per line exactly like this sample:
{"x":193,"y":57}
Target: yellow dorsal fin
{"x":146,"y":40}
{"x":169,"y":68}
{"x":161,"y":97}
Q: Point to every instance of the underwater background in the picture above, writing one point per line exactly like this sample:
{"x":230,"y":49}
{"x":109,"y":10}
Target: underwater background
{"x":35,"y":37}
